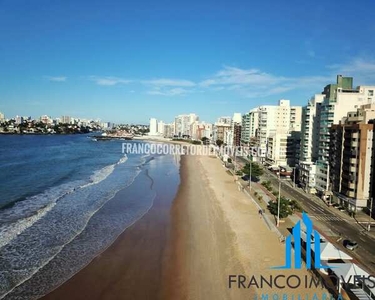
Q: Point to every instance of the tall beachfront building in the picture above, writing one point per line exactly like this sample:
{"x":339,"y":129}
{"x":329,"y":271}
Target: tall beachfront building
{"x":339,"y":99}
{"x":310,"y":142}
{"x":276,"y":123}
{"x":200,"y":130}
{"x":234,"y":138}
{"x":160,"y":128}
{"x":153,"y":126}
{"x":168,"y":131}
{"x":182,"y":124}
{"x":2,"y":117}
{"x":222,"y":129}
{"x":351,"y":152}
{"x":250,"y":125}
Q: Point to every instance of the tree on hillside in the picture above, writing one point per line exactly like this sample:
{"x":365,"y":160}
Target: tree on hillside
{"x":256,"y":170}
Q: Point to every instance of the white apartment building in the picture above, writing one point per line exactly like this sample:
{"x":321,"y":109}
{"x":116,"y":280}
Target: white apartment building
{"x":340,"y":98}
{"x":222,"y":129}
{"x":310,"y":143}
{"x":45,"y":119}
{"x":182,"y":124}
{"x":250,"y":125}
{"x":153,"y":126}
{"x":224,"y":120}
{"x":200,"y":129}
{"x":168,"y":130}
{"x":160,"y":128}
{"x":18,"y":120}
{"x":65,"y":119}
{"x":2,"y":117}
{"x":273,"y":120}
{"x":282,"y":147}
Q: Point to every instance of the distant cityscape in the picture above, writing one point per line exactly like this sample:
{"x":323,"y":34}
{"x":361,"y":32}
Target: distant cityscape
{"x":63,"y":125}
{"x":329,"y":142}
{"x":336,"y":124}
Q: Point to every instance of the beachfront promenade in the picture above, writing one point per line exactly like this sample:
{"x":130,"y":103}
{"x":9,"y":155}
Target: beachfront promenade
{"x":335,"y":225}
{"x":221,"y":233}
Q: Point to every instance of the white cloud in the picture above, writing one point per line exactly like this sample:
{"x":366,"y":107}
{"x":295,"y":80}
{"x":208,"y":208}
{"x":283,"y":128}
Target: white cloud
{"x":237,"y":76}
{"x":169,"y":82}
{"x":169,"y":92}
{"x":109,"y":81}
{"x":56,"y":78}
{"x":254,"y":83}
{"x":362,"y":69}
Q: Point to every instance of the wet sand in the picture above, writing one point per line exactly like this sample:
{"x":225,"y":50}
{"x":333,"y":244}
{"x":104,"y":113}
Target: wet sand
{"x":131,"y":268}
{"x":186,"y":249}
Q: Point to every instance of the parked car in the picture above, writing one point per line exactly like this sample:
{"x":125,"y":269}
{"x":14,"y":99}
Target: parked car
{"x":350,"y":245}
{"x":253,"y":178}
{"x":245,"y":177}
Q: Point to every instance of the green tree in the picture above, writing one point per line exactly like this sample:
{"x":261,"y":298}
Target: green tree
{"x":285,"y":209}
{"x":205,"y":140}
{"x":219,"y":143}
{"x":295,"y":206}
{"x":256,"y":170}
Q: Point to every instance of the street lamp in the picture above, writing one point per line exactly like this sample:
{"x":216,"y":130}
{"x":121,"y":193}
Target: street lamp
{"x":278,"y":203}
{"x":370,"y":218}
{"x":251,"y":160}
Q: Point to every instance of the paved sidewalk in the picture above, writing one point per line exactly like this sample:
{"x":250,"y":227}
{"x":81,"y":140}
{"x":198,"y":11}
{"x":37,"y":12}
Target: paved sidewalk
{"x":361,"y":218}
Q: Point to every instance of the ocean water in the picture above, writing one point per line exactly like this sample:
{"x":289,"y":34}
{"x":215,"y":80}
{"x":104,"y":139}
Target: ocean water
{"x":57,"y":205}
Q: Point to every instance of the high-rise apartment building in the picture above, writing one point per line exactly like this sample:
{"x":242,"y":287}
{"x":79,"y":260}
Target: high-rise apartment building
{"x":45,"y":119}
{"x":153,"y":126}
{"x":200,"y":130}
{"x":18,"y":120}
{"x":182,"y":124}
{"x":351,"y":163}
{"x":235,"y":139}
{"x":222,"y":130}
{"x":161,"y":128}
{"x":65,"y":119}
{"x":250,"y":125}
{"x":339,"y":99}
{"x":2,"y":117}
{"x":310,"y":143}
{"x":168,"y":130}
{"x":282,"y":148}
{"x":273,"y":120}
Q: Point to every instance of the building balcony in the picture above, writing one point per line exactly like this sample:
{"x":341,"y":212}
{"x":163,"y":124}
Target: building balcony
{"x":350,"y":153}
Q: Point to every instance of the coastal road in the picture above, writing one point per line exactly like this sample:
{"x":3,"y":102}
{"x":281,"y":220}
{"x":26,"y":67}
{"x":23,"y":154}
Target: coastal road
{"x":319,"y":212}
{"x":347,"y":228}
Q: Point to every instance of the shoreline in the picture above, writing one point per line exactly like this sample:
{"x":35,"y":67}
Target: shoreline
{"x":186,"y":248}
{"x":127,"y":266}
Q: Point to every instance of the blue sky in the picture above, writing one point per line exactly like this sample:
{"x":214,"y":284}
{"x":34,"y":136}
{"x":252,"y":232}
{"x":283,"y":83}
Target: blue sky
{"x":127,"y":61}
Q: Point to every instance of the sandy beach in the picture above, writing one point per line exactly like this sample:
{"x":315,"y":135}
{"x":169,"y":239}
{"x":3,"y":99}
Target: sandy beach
{"x":186,"y":249}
